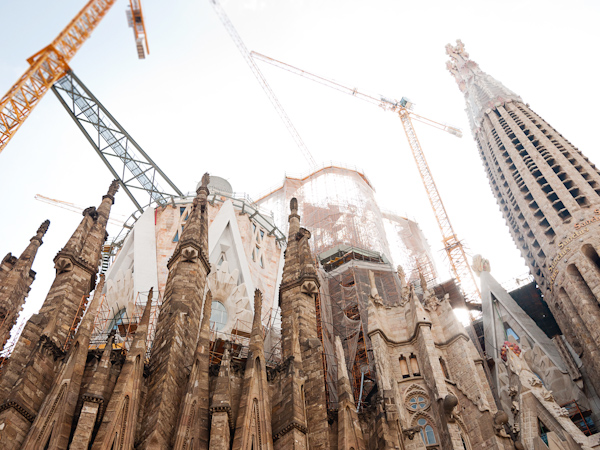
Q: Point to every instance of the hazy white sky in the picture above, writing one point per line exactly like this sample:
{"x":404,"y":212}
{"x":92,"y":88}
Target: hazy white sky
{"x":194,"y":105}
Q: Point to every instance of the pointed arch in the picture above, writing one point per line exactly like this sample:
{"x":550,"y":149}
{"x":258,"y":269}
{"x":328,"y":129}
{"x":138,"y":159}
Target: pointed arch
{"x":224,"y":237}
{"x":50,"y":420}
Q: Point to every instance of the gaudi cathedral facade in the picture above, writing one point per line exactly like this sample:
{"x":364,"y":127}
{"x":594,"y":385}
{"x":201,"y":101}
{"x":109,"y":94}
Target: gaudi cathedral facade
{"x":321,"y":325}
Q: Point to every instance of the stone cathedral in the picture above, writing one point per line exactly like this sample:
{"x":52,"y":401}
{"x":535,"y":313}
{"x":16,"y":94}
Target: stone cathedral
{"x":219,"y":326}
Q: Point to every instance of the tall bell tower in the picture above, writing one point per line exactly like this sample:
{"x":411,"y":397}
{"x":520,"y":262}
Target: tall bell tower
{"x":549,"y":195}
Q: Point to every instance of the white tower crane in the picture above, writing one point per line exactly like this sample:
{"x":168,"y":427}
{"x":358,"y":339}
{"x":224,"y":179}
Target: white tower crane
{"x":263,"y":83}
{"x":452,"y":245}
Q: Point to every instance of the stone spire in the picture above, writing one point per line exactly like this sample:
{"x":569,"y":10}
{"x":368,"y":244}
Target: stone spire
{"x":194,"y":418}
{"x":482,"y":92}
{"x":349,"y":430}
{"x":120,"y":420}
{"x":93,"y":400}
{"x":177,"y":327}
{"x":549,"y":194}
{"x":220,"y":407}
{"x":253,"y":427}
{"x":15,"y":285}
{"x":51,"y":428}
{"x":299,"y":293}
{"x":29,"y":375}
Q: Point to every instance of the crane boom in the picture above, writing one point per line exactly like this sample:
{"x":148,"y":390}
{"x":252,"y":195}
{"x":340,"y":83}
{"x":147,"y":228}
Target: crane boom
{"x":46,"y":67}
{"x":452,"y":245}
{"x":263,"y":82}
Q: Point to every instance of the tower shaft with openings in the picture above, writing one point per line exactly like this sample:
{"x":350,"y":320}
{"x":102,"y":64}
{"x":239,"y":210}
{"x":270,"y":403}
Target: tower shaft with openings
{"x":549,"y":195}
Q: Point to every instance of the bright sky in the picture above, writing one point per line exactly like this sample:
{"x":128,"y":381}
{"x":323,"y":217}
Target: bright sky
{"x":194,"y":106}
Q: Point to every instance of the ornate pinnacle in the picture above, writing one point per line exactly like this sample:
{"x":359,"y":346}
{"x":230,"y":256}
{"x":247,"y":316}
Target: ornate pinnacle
{"x":43,"y":227}
{"x":114,"y":187}
{"x":205,"y":180}
{"x":202,"y":191}
{"x":257,"y":302}
{"x":294,"y":205}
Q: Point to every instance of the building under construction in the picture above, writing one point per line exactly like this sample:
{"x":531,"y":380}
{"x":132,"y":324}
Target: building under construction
{"x":308,"y":319}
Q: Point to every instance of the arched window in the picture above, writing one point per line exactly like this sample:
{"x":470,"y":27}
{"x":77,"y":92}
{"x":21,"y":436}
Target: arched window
{"x":404,"y":367}
{"x":464,"y":442}
{"x":218,"y":315}
{"x":414,"y":365}
{"x":427,"y":433}
{"x":444,"y":368}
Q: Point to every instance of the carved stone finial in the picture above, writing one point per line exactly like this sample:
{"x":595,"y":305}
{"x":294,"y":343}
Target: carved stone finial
{"x":205,"y":180}
{"x":113,"y":188}
{"x":43,"y":227}
{"x":91,"y":211}
{"x":294,"y":205}
{"x":480,"y":264}
{"x":257,"y":301}
{"x":402,"y":276}
{"x":423,"y":282}
{"x":374,"y":293}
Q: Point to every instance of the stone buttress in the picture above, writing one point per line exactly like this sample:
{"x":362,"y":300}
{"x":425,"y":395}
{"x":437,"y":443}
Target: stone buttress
{"x":51,"y":428}
{"x":193,"y":429}
{"x":118,"y":428}
{"x":30,"y":371}
{"x":253,"y":426}
{"x":289,"y":413}
{"x":349,"y":430}
{"x":177,"y":327}
{"x":220,"y":407}
{"x":95,"y":398}
{"x":298,"y":292}
{"x":15,"y":284}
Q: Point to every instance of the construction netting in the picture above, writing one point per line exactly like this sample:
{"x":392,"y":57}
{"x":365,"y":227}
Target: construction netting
{"x":338,"y":206}
{"x":344,"y":302}
{"x":350,"y":236}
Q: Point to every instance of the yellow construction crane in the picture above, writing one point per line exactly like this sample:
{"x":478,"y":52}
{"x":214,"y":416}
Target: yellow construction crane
{"x":452,"y":245}
{"x":50,"y":64}
{"x":135,"y":19}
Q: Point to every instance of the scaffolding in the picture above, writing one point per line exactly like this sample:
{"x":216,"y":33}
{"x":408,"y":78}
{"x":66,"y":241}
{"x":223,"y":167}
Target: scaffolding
{"x":123,"y":325}
{"x":581,"y":417}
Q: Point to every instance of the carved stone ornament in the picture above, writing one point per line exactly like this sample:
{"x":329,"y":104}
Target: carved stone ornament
{"x":63,"y":265}
{"x":410,"y":432}
{"x":500,"y":418}
{"x":91,"y":211}
{"x":515,"y":408}
{"x":535,"y":381}
{"x":480,"y":264}
{"x":450,"y":402}
{"x":512,"y":391}
{"x":309,"y":288}
{"x":189,"y":254}
{"x":547,"y":395}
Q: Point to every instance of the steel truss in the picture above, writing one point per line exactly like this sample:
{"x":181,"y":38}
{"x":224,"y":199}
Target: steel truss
{"x":138,"y":175}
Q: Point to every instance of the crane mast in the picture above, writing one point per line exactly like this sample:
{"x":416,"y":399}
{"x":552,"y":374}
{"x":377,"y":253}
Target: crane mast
{"x":263,"y":82}
{"x":46,"y":67}
{"x":452,"y":245}
{"x":135,"y":20}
